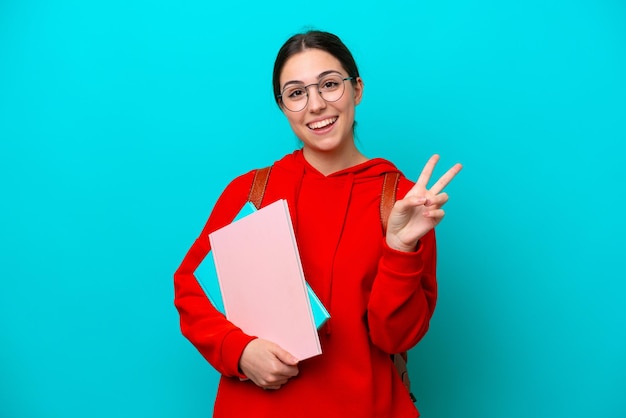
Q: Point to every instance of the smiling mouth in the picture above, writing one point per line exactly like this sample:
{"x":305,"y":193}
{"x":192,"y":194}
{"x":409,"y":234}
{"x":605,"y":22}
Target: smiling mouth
{"x":321,"y":123}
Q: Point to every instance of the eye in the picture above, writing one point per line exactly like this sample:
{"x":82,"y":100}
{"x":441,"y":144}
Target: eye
{"x":330,"y":84}
{"x":295,"y":93}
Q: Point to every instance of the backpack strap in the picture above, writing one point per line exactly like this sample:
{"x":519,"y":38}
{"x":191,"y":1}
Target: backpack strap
{"x":387,"y":200}
{"x":399,"y":361}
{"x":257,"y":190}
{"x":388,"y":197}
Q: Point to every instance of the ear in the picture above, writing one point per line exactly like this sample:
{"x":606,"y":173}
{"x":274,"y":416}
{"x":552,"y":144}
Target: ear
{"x":280,"y":105}
{"x":358,"y":90}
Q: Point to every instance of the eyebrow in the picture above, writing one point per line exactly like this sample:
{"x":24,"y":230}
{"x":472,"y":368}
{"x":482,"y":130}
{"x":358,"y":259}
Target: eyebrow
{"x":320,"y":76}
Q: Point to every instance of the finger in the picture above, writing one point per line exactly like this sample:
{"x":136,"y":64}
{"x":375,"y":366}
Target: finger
{"x":274,"y":379}
{"x":409,"y":202}
{"x":436,"y":201}
{"x":427,"y":172}
{"x":437,"y":214}
{"x":445,"y":179}
{"x":284,"y":356}
{"x":289,"y":364}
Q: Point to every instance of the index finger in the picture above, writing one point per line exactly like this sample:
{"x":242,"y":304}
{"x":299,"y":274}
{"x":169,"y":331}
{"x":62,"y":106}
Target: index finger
{"x":445,"y":179}
{"x":427,"y":171}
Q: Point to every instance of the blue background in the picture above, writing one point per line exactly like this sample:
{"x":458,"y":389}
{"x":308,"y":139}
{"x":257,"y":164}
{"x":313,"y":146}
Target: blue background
{"x":121,"y":122}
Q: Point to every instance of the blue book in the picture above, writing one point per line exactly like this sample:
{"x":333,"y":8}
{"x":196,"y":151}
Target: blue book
{"x":207,"y":278}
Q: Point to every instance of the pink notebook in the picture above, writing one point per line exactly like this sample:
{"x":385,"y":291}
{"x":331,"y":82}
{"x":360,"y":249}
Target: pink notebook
{"x":261,"y":279}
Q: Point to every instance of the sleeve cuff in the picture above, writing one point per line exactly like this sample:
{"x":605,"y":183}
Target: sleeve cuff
{"x":404,"y":263}
{"x":232,"y":348}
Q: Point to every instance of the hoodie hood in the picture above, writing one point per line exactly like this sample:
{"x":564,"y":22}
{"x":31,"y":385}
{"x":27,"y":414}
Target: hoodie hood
{"x":295,"y":167}
{"x":296,"y":163}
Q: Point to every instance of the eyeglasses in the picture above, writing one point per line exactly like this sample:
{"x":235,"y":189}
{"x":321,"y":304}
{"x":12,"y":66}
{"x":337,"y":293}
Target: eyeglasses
{"x":295,"y":97}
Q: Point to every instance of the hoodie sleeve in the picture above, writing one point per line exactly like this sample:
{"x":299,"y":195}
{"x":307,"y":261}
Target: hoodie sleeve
{"x":217,"y":339}
{"x":404,"y":294}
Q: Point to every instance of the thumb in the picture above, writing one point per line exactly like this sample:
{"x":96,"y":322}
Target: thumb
{"x":284,"y":356}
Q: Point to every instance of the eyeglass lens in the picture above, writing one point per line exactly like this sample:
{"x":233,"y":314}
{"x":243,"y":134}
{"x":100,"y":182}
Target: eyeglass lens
{"x":295,"y":97}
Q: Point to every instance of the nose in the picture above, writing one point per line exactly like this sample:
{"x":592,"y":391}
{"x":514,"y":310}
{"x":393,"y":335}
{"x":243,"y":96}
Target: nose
{"x":316,"y":102}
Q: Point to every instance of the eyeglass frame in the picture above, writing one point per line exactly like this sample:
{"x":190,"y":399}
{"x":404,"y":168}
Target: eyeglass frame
{"x":306,"y":89}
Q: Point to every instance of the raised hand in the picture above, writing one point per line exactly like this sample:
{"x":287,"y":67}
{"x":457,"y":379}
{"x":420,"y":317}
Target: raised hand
{"x":420,"y":210}
{"x":267,"y":364}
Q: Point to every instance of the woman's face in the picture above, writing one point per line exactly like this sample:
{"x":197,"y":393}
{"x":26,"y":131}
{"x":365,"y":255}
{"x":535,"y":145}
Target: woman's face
{"x":324,"y":127}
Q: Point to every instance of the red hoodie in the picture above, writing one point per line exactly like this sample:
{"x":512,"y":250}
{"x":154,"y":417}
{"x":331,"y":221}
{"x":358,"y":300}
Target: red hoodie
{"x":380,"y":300}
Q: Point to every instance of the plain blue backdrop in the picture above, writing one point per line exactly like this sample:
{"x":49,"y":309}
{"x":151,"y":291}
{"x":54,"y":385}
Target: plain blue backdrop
{"x":122,"y":121}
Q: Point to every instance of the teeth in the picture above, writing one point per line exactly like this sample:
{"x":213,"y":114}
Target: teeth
{"x":322,"y":123}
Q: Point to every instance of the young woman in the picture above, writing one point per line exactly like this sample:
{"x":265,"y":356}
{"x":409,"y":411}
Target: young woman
{"x":380,"y":289}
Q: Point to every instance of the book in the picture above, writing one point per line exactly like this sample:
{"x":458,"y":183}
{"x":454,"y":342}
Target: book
{"x":206,"y":274}
{"x":207,"y":278}
{"x":261,"y":280}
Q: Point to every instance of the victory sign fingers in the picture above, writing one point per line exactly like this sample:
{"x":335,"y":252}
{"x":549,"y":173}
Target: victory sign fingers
{"x":420,"y":187}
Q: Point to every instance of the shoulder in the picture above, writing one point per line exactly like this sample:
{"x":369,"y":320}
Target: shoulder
{"x":391,"y":175}
{"x":238,"y":190}
{"x":240,"y":185}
